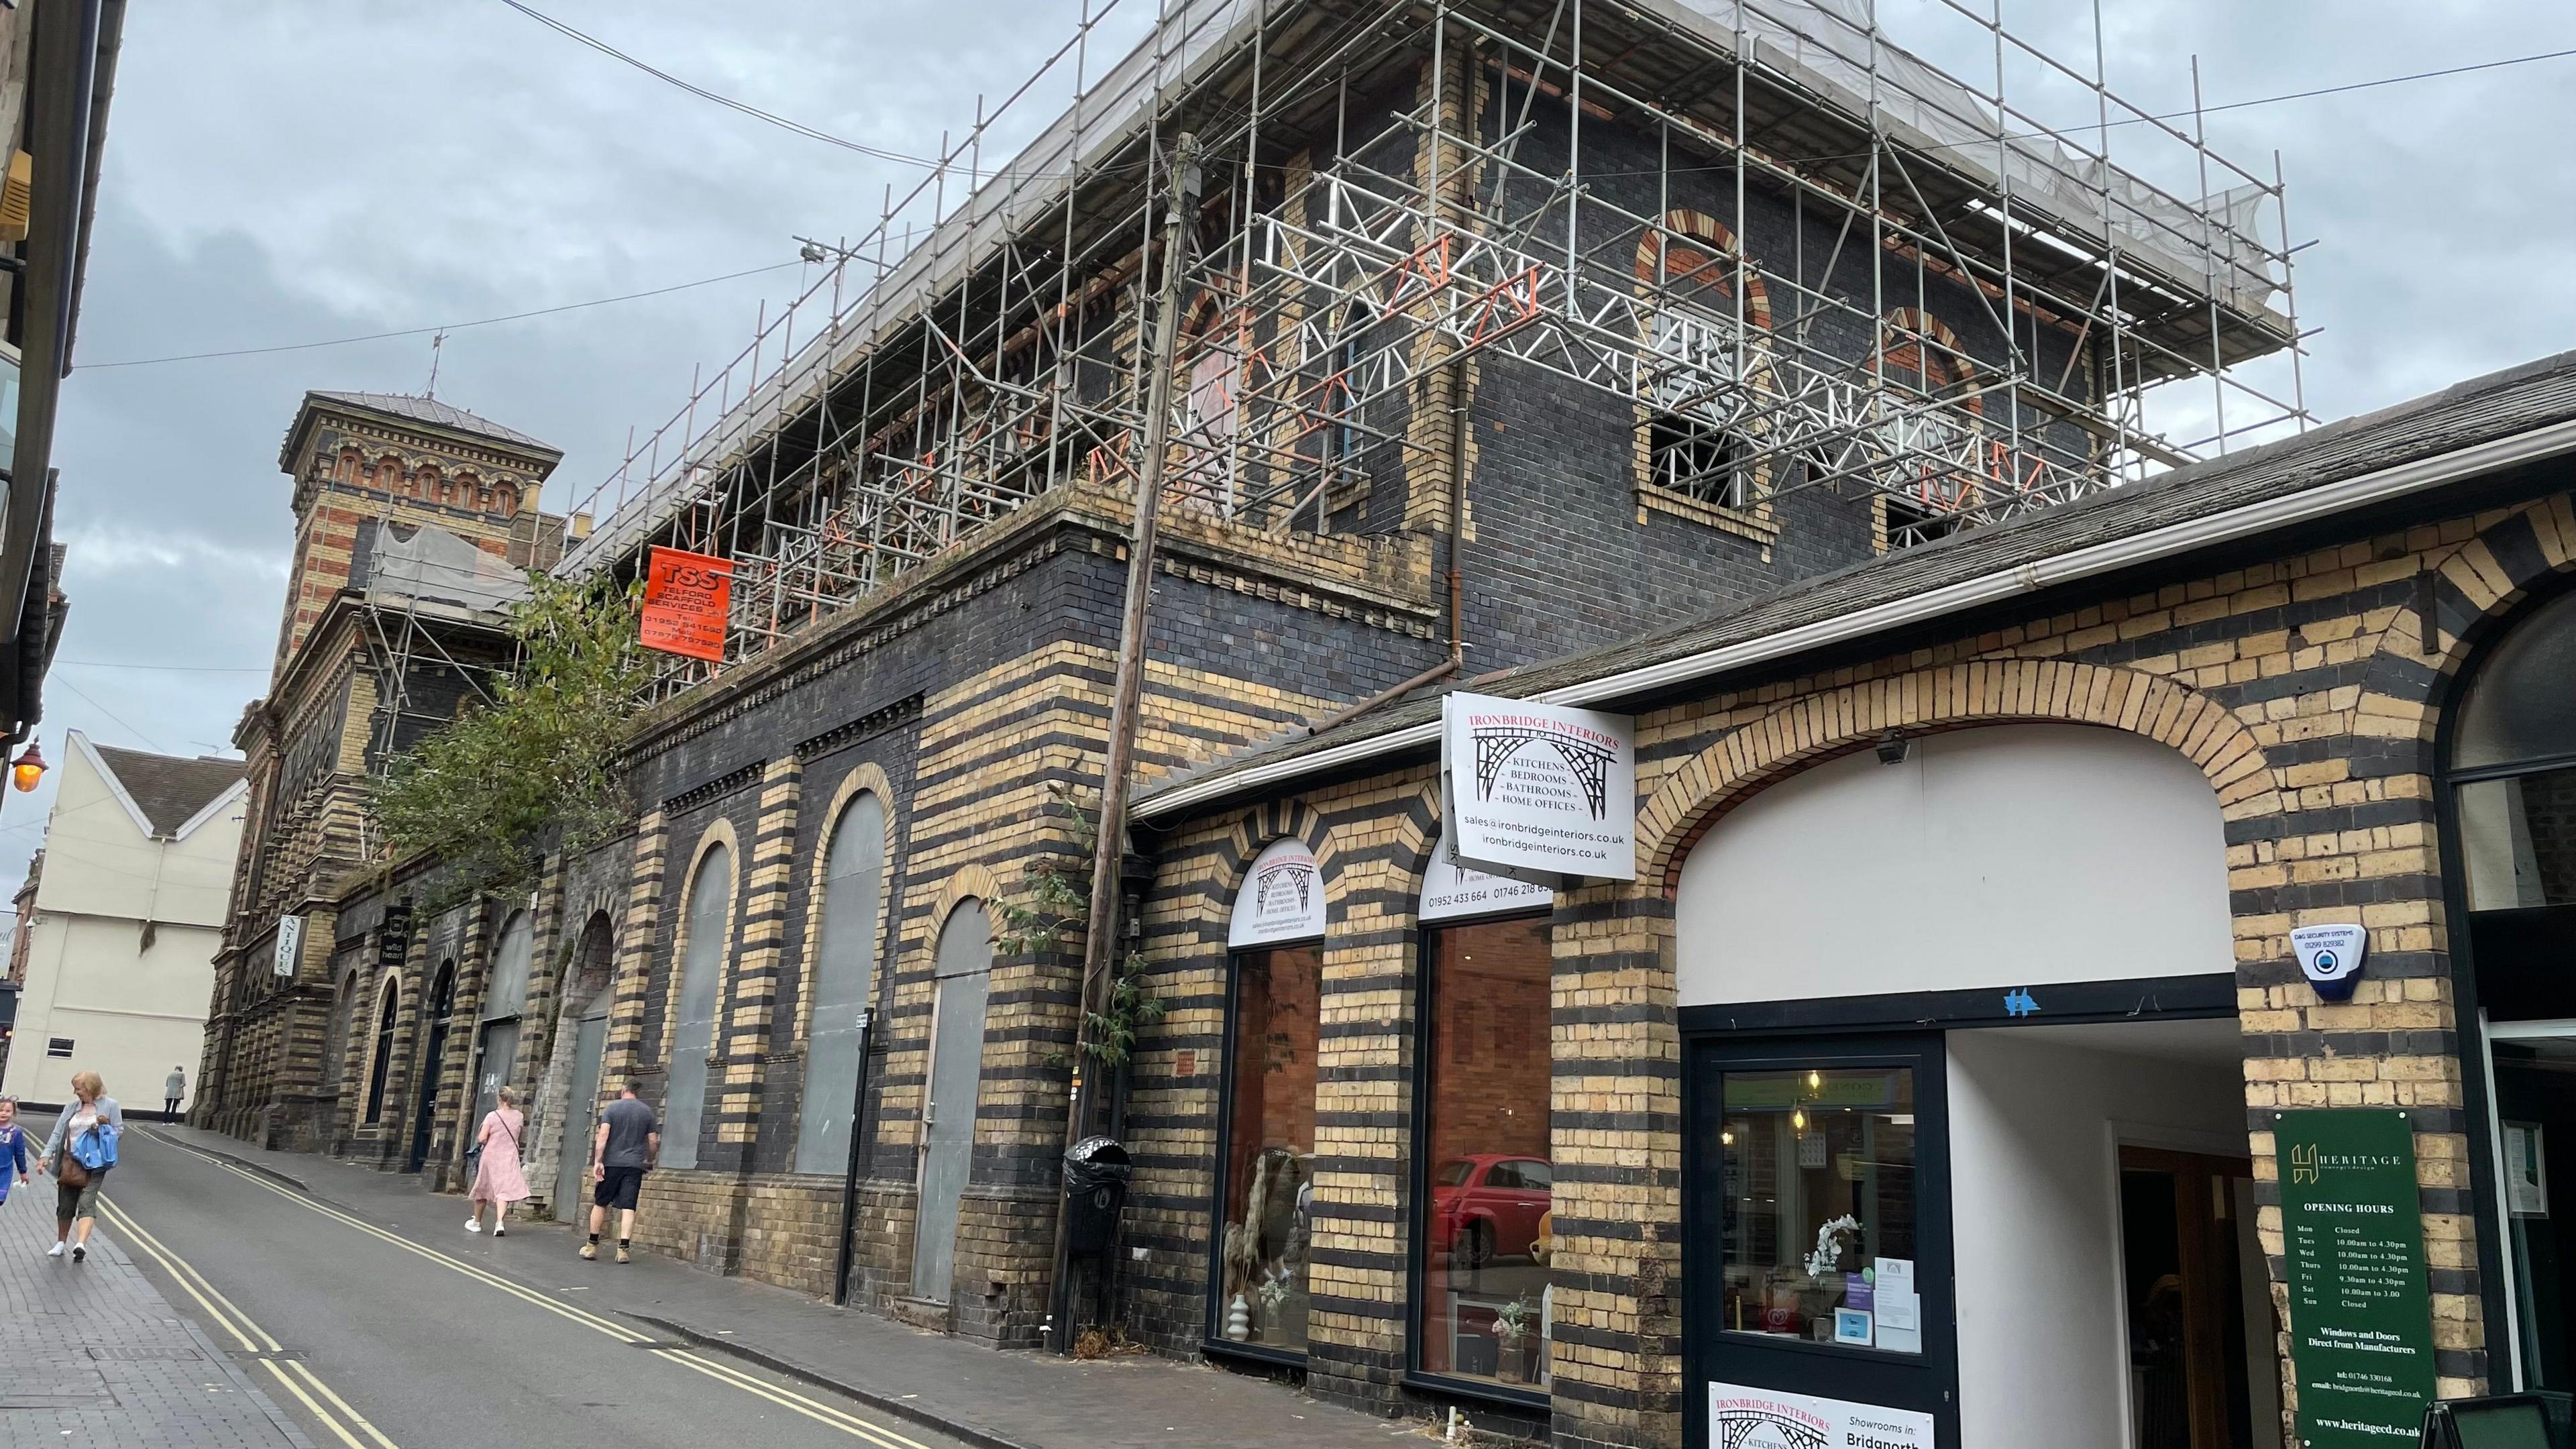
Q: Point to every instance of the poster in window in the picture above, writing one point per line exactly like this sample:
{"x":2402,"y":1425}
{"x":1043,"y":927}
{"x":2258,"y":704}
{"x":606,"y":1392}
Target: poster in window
{"x":2526,"y":1178}
{"x":687,"y":597}
{"x":1281,"y":899}
{"x":1744,"y":1417}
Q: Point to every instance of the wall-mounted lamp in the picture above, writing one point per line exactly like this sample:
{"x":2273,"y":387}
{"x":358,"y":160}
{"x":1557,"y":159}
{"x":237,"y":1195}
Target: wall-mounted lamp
{"x":29,"y":771}
{"x":1891,"y":748}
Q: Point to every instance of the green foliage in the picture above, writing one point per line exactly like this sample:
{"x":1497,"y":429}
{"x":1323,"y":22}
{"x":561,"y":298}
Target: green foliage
{"x":1052,"y":917}
{"x":1131,"y":1005}
{"x":483,"y":792}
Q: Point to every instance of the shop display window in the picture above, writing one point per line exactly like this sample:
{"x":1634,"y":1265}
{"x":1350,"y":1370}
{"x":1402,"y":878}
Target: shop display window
{"x":1262,"y":1249}
{"x":1820,"y":1204}
{"x":1485,"y":1233}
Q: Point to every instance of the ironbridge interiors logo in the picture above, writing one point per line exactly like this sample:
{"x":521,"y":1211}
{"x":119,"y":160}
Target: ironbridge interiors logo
{"x":1274,"y":884}
{"x":1500,"y":738}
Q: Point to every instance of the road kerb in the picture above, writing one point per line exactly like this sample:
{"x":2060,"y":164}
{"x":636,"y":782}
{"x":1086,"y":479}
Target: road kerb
{"x":918,"y":1413}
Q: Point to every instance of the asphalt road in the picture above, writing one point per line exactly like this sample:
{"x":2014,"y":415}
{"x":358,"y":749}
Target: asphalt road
{"x":401,"y":1344}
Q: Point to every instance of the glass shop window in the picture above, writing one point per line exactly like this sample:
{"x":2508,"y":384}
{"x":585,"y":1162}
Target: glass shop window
{"x":1486,"y":1229}
{"x":1262,"y":1251}
{"x":1820,"y":1206}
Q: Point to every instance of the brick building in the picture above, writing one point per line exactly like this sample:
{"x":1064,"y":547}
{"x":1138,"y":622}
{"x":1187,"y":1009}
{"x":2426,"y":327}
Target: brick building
{"x":1498,"y":343}
{"x":1997,"y":846}
{"x":414,"y":523}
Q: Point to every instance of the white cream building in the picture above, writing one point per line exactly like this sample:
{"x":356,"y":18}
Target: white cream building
{"x":127,"y":917}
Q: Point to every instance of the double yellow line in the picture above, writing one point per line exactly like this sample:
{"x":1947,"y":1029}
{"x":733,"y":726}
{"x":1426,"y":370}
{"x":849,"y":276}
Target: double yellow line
{"x":296,"y":1377}
{"x":815,"y":1409}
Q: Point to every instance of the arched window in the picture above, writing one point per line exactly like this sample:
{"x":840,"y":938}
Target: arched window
{"x":1703,"y":361}
{"x":963,"y":964}
{"x":346,"y":469}
{"x":2513,"y":759}
{"x":843,"y":982}
{"x":388,"y":1004}
{"x":2512,"y":773}
{"x":505,"y":996}
{"x":701,"y":966}
{"x":389,"y":476}
{"x":1920,"y":361}
{"x":505,"y":499}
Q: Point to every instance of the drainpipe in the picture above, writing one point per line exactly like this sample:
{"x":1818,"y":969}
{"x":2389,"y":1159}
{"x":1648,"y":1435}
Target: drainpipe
{"x":850,"y":1170}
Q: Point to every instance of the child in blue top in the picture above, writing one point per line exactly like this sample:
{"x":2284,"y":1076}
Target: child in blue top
{"x":13,"y":1148}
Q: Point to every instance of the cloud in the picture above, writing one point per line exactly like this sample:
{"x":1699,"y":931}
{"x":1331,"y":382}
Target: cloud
{"x":279,"y":171}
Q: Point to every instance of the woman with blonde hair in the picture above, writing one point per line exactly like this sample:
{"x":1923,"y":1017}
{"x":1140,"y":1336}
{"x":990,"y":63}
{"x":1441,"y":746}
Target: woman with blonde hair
{"x":79,"y":1154}
{"x":498,"y":1179}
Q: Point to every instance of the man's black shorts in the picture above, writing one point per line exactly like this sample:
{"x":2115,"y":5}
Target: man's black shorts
{"x":617,"y":1187}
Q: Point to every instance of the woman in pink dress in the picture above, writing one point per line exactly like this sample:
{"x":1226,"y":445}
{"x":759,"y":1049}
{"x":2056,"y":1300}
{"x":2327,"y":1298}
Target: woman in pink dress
{"x":498,"y":1180}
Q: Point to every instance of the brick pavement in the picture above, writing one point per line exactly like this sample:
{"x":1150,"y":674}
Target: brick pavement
{"x":1002,"y":1400}
{"x":93,"y":1357}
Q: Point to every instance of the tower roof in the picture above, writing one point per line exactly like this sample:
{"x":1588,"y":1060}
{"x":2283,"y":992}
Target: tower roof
{"x":426,"y":411}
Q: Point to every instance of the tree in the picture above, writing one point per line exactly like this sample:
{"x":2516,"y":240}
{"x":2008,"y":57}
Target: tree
{"x":481,"y":793}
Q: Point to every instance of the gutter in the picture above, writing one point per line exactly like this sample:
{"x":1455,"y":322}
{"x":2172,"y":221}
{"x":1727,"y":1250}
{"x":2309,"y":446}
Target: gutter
{"x":2404,"y":480}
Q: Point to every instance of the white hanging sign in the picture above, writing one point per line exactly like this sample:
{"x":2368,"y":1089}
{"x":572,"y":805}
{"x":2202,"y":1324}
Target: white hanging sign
{"x":1282,"y":898}
{"x":1454,"y":892}
{"x":1538,"y":791}
{"x":2331,"y":957}
{"x":290,"y":945}
{"x":1770,"y":1419}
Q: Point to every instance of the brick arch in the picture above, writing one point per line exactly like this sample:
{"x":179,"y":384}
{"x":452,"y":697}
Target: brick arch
{"x":965,"y":883}
{"x":1253,"y":832}
{"x":2479,"y":592}
{"x":719,"y":831}
{"x":1902,"y":334}
{"x":1663,"y":258}
{"x":866,"y":778}
{"x":1819,"y":727}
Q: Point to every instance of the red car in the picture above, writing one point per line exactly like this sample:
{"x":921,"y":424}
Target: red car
{"x":1489,"y":1205}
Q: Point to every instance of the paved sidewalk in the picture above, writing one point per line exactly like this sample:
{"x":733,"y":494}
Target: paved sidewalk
{"x":999,"y":1400}
{"x":92,"y":1356}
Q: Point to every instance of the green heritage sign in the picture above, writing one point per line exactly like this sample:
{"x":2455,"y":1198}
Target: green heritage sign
{"x":2361,"y":1320}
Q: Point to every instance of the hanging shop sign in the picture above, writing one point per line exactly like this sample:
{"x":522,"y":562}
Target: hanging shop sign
{"x":2330,"y":957}
{"x":1282,"y":898}
{"x":290,"y":945}
{"x":1454,"y":892}
{"x":393,"y":935}
{"x":687,"y":598}
{"x":1741,"y":1414}
{"x":2361,"y":1329}
{"x":1539,"y":792}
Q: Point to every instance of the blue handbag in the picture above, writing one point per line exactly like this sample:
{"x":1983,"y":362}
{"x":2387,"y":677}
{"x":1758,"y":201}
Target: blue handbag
{"x":96,"y":1148}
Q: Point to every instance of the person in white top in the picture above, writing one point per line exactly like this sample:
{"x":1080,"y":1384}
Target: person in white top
{"x":92,"y":1120}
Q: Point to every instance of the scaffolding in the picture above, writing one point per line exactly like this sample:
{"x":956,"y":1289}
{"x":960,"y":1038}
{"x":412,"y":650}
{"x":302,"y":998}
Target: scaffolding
{"x":1804,"y":256}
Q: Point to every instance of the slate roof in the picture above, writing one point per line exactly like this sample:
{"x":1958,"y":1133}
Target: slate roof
{"x":437,"y":414}
{"x":2481,"y":410}
{"x":169,"y":790}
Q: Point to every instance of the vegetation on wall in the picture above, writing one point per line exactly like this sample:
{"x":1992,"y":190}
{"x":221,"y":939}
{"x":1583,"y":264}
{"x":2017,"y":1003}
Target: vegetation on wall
{"x":538,"y":758}
{"x":1053,"y":916}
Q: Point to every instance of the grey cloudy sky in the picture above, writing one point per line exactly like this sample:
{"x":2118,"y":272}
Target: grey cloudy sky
{"x":282,"y":171}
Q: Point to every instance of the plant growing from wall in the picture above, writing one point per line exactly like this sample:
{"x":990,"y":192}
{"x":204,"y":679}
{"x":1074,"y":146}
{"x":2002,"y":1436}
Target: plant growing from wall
{"x":538,"y":759}
{"x":1052,"y":917}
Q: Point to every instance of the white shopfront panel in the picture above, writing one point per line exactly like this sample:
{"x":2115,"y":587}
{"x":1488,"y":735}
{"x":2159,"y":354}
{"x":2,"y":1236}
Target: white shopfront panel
{"x":2013,"y":855}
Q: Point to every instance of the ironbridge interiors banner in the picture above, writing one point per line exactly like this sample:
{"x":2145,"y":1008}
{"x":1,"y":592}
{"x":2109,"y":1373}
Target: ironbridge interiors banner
{"x":1744,"y":1417}
{"x":1538,"y":791}
{"x":1282,"y":898}
{"x":1454,"y":892}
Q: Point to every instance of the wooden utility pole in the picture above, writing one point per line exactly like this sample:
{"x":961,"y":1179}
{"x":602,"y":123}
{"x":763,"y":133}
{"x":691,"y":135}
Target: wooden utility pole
{"x":1109,"y":849}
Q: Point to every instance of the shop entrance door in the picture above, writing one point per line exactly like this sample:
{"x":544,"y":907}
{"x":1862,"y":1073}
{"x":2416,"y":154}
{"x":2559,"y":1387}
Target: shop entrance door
{"x":1815,"y":1204}
{"x":581,"y":1113}
{"x":2532,"y":1068}
{"x":2186,"y":1235}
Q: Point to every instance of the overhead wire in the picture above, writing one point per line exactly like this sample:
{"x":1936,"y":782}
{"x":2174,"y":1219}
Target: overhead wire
{"x":441,"y":326}
{"x":784,"y":123}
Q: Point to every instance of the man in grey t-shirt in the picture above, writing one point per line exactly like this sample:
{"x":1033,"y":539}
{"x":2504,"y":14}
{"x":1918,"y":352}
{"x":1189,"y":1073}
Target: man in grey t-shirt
{"x":628,"y":1140}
